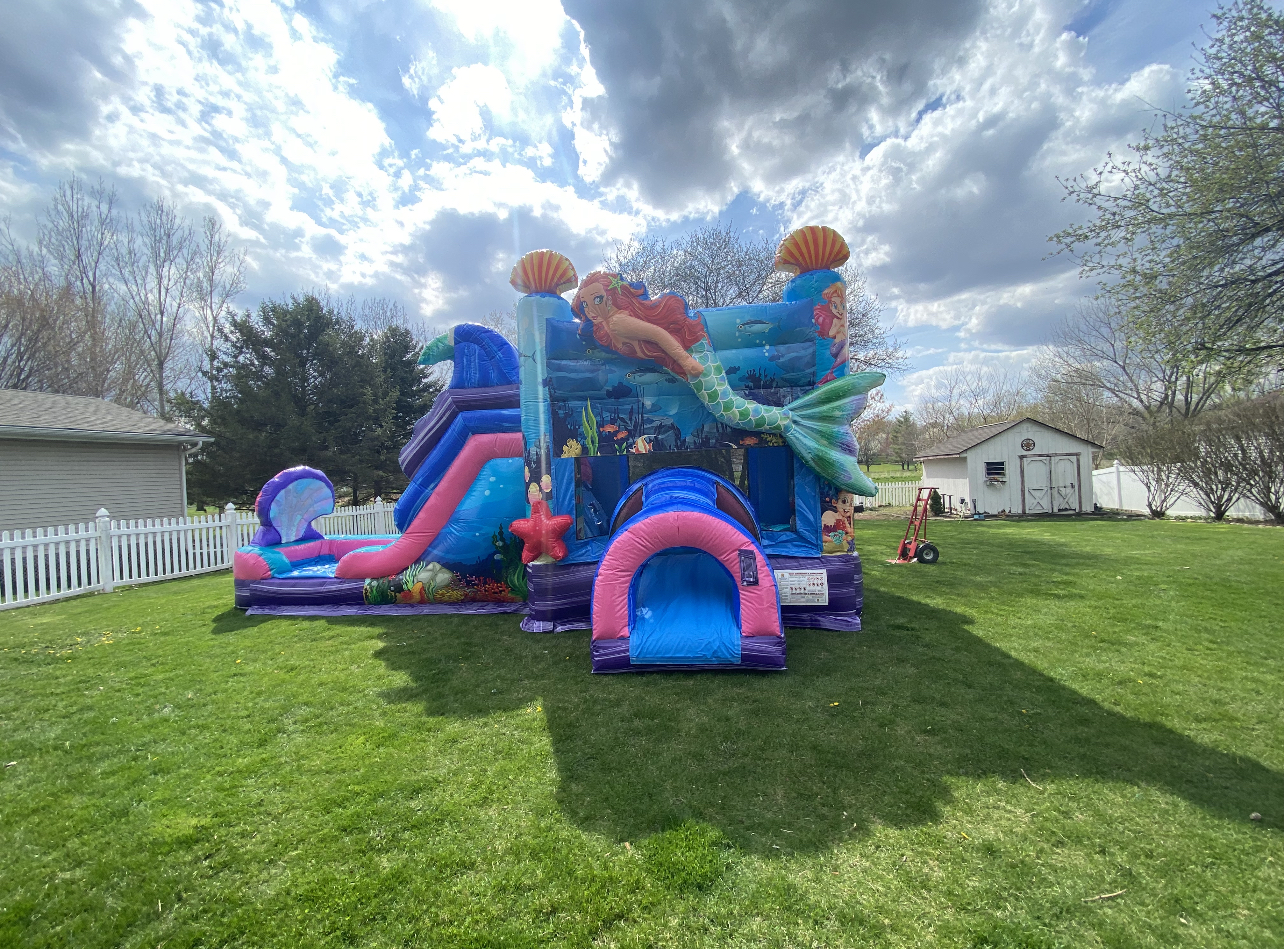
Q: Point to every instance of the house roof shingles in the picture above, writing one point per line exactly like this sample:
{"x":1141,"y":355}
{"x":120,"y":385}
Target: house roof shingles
{"x":50,"y":415}
{"x":962,"y":441}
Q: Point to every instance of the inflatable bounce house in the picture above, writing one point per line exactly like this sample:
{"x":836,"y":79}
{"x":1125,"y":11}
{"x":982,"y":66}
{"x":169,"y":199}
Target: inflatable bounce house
{"x":681,"y":483}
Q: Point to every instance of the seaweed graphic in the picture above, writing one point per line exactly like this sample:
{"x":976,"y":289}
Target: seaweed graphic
{"x":588,"y":426}
{"x":512,"y":570}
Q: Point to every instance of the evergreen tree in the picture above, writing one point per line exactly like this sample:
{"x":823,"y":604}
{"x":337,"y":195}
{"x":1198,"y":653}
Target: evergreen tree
{"x":298,"y":383}
{"x":905,"y":439}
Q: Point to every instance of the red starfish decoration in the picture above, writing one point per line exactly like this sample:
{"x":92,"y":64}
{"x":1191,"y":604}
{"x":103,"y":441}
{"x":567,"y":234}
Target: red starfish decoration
{"x":542,"y":532}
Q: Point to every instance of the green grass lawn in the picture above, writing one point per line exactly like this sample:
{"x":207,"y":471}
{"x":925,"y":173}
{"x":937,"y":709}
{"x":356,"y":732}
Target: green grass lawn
{"x":893,"y":472}
{"x":184,"y":775}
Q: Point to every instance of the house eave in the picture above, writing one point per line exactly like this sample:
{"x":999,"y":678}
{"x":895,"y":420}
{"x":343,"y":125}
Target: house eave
{"x":34,"y":433}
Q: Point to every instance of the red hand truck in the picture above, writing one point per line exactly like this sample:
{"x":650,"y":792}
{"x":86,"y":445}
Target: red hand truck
{"x":914,"y":545}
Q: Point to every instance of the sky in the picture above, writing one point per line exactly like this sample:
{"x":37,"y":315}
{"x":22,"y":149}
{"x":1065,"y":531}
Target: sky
{"x":415,"y":150}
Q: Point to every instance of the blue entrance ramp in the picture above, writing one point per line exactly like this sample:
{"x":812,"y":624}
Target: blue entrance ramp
{"x":686,"y":610}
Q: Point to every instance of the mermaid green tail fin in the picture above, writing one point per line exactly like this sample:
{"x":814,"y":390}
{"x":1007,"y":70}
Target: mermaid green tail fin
{"x":821,"y":432}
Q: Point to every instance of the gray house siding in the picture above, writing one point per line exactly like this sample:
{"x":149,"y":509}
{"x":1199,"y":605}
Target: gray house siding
{"x":51,"y":482}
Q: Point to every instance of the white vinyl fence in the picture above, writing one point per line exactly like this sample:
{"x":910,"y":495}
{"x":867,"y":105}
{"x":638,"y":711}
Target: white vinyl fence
{"x":45,"y":564}
{"x":1118,"y":488}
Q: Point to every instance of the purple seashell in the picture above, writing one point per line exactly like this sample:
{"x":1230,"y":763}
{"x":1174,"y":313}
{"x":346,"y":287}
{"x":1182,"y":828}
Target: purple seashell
{"x":288,"y":504}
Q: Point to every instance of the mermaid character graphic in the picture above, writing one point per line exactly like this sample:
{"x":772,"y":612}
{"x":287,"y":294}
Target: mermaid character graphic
{"x":817,"y":427}
{"x":626,"y":320}
{"x":831,"y":319}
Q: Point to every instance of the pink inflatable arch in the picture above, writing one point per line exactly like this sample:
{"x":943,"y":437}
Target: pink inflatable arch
{"x":759,"y":612}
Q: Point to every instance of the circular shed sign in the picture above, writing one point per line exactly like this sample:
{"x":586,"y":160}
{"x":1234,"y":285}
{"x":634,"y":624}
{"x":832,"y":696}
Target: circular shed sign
{"x":1027,"y":444}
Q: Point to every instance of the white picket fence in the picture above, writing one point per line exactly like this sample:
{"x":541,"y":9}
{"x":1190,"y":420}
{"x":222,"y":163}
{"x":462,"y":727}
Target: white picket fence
{"x":895,"y":494}
{"x":37,"y":566}
{"x":45,"y":564}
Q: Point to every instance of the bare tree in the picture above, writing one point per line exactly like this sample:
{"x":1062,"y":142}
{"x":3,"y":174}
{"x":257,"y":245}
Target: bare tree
{"x":218,"y":276}
{"x":1209,"y":464}
{"x":711,"y":266}
{"x":1152,"y":375}
{"x":873,"y":428}
{"x":78,"y":238}
{"x":1086,"y":411}
{"x":869,"y":346}
{"x":1154,"y":452}
{"x":155,"y":258}
{"x":33,"y":318}
{"x":1258,"y":431}
{"x":963,"y":397}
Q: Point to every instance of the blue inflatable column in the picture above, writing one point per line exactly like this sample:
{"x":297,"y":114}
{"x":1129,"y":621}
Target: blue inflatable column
{"x":541,"y":275}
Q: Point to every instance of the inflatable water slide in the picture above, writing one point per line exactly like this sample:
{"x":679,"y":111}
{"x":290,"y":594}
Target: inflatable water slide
{"x":682,"y":483}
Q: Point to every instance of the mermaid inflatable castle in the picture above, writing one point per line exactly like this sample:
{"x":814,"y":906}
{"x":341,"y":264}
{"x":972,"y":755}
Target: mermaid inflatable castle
{"x":678,"y":482}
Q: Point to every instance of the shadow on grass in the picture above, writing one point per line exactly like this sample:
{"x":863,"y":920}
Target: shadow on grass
{"x":769,"y":760}
{"x":232,"y":620}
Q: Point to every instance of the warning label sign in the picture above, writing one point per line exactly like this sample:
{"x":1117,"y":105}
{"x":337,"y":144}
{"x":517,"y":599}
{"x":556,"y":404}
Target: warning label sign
{"x":803,"y":587}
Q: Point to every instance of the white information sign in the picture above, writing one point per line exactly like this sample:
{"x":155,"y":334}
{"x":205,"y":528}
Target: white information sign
{"x":803,"y":587}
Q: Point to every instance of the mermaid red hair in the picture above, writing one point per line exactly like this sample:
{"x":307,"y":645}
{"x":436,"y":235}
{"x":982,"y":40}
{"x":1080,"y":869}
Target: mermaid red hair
{"x":669,"y":312}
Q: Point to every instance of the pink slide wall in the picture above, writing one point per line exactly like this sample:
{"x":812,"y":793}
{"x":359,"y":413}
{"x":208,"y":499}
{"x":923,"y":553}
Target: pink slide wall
{"x":438,"y":509}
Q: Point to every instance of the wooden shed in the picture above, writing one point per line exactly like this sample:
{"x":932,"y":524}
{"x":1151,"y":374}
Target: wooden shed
{"x":62,"y":457}
{"x":1017,"y":467}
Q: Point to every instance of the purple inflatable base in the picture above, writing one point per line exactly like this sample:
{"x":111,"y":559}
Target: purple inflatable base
{"x":532,"y":625}
{"x":759,"y":653}
{"x":387,"y":609}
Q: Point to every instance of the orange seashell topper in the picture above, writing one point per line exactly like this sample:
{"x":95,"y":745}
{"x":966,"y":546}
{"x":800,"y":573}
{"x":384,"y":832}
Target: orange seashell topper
{"x":814,"y":247}
{"x":543,"y":271}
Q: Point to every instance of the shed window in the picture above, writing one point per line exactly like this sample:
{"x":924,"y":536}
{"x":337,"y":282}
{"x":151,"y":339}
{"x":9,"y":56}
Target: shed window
{"x":996,"y":469}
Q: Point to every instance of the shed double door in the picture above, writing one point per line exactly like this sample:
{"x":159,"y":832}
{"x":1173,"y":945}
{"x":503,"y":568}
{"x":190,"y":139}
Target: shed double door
{"x":1050,"y":484}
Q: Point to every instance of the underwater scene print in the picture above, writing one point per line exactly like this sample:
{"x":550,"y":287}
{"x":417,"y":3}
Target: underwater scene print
{"x":500,"y":579}
{"x":607,"y":404}
{"x":765,"y":476}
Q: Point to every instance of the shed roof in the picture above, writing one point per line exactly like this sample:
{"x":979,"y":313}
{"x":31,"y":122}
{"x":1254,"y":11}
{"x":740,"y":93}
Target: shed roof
{"x":25,"y":414}
{"x":960,"y":442}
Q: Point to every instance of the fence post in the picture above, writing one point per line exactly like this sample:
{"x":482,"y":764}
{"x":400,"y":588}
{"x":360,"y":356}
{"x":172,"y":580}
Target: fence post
{"x":106,"y":569}
{"x":381,"y":517}
{"x":230,"y":542}
{"x":1119,"y":492}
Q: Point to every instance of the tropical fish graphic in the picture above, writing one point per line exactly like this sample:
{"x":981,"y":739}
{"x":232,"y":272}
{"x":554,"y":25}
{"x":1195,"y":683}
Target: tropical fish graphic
{"x":754,"y":326}
{"x":648,"y":377}
{"x":816,"y":426}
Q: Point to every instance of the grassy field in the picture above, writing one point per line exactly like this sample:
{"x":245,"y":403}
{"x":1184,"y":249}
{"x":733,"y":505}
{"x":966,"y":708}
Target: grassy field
{"x":890,"y":472}
{"x":1054,"y":713}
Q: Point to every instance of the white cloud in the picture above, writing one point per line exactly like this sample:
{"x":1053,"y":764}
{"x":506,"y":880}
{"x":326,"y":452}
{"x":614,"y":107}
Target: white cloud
{"x":457,"y":107}
{"x":950,"y":215}
{"x":593,"y":148}
{"x":524,"y":36}
{"x":420,"y":74}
